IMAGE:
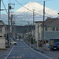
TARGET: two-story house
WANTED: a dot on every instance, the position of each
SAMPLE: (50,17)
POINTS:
(51,29)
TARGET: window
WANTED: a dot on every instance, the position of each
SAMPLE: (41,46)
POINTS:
(53,28)
(0,29)
(57,29)
(45,28)
(0,36)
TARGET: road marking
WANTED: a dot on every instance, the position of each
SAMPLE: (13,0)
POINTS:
(17,56)
(13,57)
(39,52)
(9,53)
(20,56)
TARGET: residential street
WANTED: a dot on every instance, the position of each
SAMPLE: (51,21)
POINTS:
(23,51)
(29,29)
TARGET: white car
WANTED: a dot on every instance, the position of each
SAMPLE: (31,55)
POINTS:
(13,42)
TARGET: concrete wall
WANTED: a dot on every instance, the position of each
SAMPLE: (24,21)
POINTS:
(2,43)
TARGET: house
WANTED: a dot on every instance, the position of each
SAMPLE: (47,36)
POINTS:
(2,32)
(51,29)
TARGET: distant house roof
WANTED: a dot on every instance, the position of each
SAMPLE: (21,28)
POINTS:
(49,22)
(38,21)
(2,22)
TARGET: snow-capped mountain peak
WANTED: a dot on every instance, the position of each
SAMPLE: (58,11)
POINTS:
(30,6)
(37,7)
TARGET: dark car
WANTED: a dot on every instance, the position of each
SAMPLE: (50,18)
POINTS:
(56,46)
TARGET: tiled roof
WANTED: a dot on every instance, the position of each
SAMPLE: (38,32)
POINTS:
(51,22)
(2,22)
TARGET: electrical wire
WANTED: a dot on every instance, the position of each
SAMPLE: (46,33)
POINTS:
(4,7)
(29,9)
(23,6)
(26,7)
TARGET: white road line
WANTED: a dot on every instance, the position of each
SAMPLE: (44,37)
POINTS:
(9,53)
(39,52)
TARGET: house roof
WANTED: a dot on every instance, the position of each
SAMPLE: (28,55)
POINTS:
(2,22)
(51,22)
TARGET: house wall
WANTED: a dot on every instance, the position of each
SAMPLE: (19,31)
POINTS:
(50,34)
(3,32)
(2,38)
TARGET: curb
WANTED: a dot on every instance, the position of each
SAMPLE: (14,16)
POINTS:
(2,49)
(47,49)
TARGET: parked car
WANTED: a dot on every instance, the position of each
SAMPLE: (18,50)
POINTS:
(13,42)
(55,46)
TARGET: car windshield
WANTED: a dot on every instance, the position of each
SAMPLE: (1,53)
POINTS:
(56,43)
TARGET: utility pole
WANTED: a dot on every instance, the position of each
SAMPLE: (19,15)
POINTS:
(43,20)
(33,24)
(33,16)
(28,26)
(9,16)
(9,8)
(0,8)
(14,29)
(28,29)
(11,23)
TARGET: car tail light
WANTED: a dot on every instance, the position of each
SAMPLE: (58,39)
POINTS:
(58,45)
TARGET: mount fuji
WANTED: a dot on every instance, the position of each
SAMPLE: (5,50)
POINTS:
(25,13)
(38,9)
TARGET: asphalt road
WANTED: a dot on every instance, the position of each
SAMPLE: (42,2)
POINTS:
(23,51)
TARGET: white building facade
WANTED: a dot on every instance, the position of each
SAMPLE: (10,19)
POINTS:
(2,33)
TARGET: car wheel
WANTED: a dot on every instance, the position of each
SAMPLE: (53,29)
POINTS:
(51,49)
(14,43)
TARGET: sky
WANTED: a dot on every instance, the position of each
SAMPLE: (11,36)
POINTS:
(52,4)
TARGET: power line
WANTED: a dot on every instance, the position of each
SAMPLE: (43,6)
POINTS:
(4,7)
(26,7)
(29,9)
(22,5)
